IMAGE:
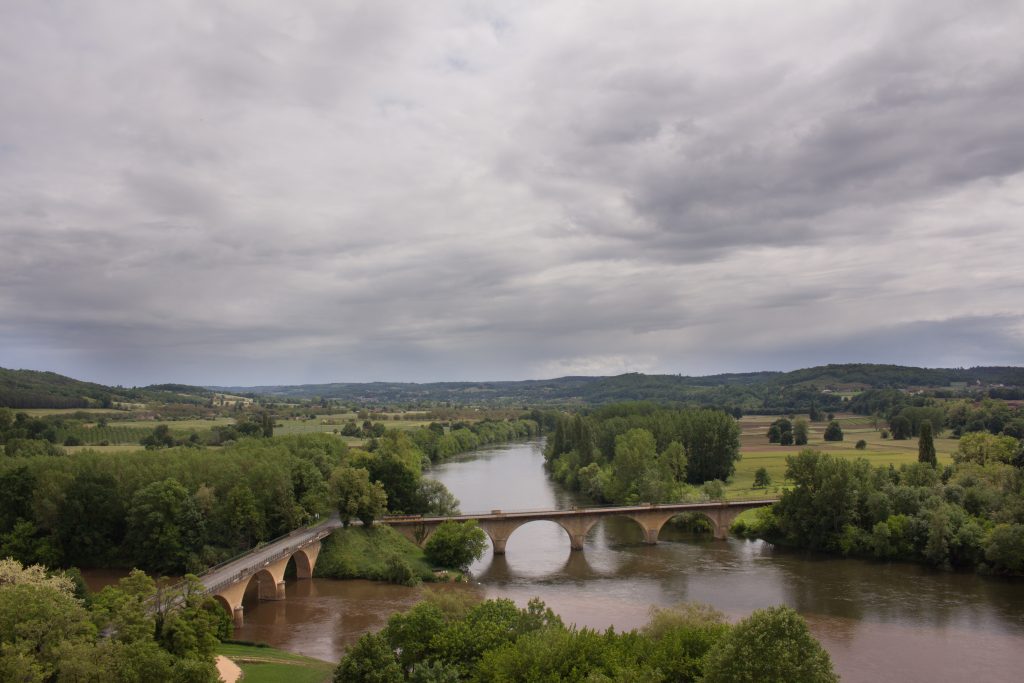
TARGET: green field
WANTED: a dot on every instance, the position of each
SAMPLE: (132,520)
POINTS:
(267,665)
(757,452)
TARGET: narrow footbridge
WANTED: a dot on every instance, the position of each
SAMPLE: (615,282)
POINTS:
(228,582)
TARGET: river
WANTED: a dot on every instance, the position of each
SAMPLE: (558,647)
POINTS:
(879,621)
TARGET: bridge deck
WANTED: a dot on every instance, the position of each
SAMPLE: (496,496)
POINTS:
(248,564)
(398,520)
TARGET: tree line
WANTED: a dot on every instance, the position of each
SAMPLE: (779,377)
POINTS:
(641,452)
(449,639)
(969,514)
(905,413)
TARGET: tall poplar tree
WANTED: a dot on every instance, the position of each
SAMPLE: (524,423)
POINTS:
(925,444)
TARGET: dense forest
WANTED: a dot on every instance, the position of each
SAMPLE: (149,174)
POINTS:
(447,638)
(641,452)
(189,507)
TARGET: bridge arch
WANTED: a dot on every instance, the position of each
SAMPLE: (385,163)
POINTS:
(223,602)
(500,530)
(642,523)
(269,583)
(305,561)
(696,516)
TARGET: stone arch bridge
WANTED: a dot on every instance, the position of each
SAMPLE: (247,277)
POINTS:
(576,522)
(229,581)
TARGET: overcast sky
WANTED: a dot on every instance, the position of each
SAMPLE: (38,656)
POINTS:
(287,192)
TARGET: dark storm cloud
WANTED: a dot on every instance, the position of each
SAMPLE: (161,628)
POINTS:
(230,193)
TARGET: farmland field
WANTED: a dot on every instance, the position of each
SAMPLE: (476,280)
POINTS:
(757,452)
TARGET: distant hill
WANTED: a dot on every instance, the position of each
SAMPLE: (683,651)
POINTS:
(751,391)
(34,389)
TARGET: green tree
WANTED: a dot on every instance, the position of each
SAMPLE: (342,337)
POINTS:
(18,485)
(901,428)
(356,497)
(241,521)
(633,451)
(712,442)
(771,644)
(833,432)
(456,545)
(124,610)
(400,482)
(761,478)
(982,448)
(92,519)
(6,420)
(370,660)
(1005,548)
(267,424)
(674,459)
(801,431)
(160,438)
(926,445)
(410,633)
(434,498)
(165,530)
(824,498)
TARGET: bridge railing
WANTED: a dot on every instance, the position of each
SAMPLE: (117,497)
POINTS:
(263,544)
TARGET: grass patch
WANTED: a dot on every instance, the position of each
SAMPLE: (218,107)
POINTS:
(268,665)
(359,553)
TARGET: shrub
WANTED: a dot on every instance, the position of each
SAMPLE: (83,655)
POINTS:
(397,570)
(456,545)
(861,445)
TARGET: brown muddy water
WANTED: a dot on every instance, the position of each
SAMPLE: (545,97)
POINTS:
(879,621)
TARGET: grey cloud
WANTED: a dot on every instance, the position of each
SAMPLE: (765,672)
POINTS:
(223,193)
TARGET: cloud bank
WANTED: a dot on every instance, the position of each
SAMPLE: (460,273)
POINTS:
(252,193)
